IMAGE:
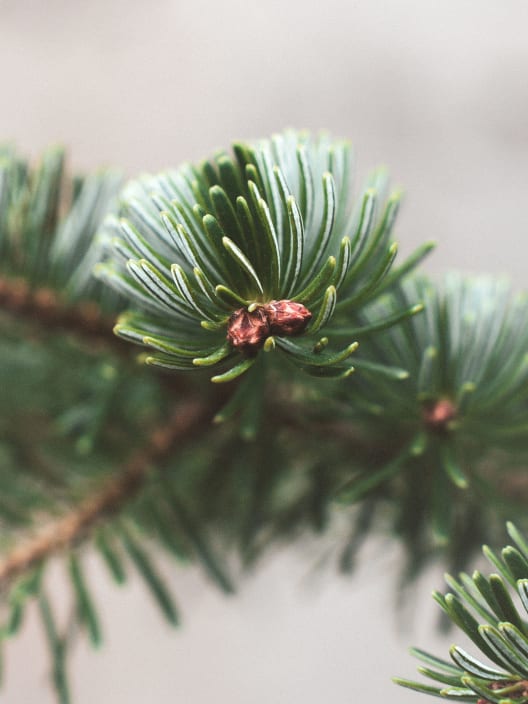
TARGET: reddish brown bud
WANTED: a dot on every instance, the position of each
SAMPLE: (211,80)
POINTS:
(521,689)
(438,414)
(247,331)
(287,317)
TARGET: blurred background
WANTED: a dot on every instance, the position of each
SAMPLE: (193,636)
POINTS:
(437,91)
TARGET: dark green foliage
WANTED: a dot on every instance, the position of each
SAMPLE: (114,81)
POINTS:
(492,612)
(48,222)
(57,646)
(276,221)
(454,426)
(149,573)
(85,608)
(429,430)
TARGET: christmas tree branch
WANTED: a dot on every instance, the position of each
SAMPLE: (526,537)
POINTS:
(75,526)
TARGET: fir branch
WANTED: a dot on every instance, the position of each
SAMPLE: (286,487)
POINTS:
(74,527)
(491,611)
(254,247)
(49,221)
(465,398)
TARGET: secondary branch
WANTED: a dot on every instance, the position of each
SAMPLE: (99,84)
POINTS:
(75,526)
(45,307)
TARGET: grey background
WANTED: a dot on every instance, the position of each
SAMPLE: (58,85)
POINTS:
(438,91)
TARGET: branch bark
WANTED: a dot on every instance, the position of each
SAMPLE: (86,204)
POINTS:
(85,320)
(45,307)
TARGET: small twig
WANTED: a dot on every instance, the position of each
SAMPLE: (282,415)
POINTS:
(44,306)
(75,526)
(85,320)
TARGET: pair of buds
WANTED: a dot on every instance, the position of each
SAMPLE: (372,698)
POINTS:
(248,328)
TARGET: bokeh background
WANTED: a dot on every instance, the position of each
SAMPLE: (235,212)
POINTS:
(437,91)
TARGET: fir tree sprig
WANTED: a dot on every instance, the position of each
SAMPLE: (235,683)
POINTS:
(104,517)
(75,526)
(455,428)
(70,413)
(48,221)
(222,263)
(492,612)
(248,252)
(47,250)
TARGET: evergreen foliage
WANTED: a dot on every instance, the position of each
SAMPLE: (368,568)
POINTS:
(274,222)
(214,268)
(455,428)
(491,611)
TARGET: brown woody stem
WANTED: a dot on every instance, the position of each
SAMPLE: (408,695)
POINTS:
(44,306)
(75,526)
(85,320)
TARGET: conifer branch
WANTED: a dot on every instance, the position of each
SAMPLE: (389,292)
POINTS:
(74,527)
(244,252)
